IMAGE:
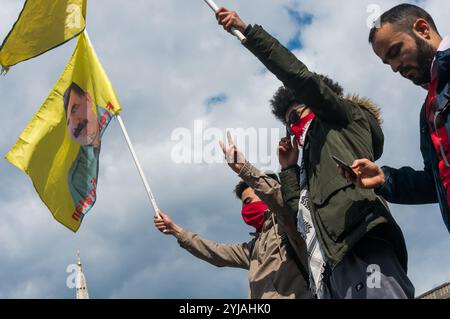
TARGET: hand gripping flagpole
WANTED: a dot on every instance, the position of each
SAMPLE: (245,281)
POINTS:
(234,31)
(138,165)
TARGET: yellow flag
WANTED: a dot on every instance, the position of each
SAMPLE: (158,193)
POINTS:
(42,25)
(60,147)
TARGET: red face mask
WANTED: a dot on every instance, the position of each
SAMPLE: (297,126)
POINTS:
(253,214)
(299,128)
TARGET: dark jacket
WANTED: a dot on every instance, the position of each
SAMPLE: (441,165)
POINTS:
(408,186)
(342,213)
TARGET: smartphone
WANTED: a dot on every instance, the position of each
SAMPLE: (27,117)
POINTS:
(345,167)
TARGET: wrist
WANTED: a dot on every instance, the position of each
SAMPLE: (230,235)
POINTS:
(177,230)
(242,168)
(247,29)
(238,167)
(243,26)
(382,177)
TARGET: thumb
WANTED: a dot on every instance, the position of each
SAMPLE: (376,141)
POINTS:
(359,163)
(162,215)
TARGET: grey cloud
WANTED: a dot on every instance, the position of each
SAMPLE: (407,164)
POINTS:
(164,64)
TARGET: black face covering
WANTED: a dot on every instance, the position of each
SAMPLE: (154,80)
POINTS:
(425,57)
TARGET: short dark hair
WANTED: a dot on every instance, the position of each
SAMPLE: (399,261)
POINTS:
(73,87)
(242,186)
(285,97)
(402,17)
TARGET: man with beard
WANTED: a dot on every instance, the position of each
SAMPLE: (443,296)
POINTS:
(82,122)
(408,40)
(85,124)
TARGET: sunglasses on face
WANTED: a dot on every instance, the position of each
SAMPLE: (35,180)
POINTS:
(294,118)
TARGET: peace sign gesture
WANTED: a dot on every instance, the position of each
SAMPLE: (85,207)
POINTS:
(235,159)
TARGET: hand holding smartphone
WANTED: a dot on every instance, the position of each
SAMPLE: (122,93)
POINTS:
(345,167)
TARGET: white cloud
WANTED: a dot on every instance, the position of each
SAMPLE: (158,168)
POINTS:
(165,59)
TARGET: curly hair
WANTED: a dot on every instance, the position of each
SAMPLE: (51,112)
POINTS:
(284,98)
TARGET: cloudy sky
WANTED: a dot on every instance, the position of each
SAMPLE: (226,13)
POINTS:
(171,65)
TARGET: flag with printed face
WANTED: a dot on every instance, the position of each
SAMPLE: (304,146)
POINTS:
(60,147)
(42,25)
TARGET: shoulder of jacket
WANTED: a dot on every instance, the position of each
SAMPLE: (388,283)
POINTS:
(366,104)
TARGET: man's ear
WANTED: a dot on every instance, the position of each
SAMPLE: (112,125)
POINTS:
(422,29)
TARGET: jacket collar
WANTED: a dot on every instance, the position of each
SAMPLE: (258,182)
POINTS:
(443,68)
(445,44)
(440,68)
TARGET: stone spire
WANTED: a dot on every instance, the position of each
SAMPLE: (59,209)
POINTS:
(81,286)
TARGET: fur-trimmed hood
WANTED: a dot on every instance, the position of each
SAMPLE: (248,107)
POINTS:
(368,105)
(374,122)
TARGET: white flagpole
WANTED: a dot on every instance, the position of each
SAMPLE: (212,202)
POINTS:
(237,33)
(138,165)
(133,153)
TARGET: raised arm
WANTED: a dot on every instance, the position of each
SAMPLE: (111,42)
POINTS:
(267,189)
(288,154)
(270,192)
(220,255)
(308,86)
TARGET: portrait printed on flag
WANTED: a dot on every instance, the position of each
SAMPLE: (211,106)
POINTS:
(86,123)
(60,147)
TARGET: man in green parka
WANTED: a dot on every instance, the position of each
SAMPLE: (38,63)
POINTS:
(362,246)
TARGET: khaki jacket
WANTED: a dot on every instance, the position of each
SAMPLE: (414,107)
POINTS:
(273,271)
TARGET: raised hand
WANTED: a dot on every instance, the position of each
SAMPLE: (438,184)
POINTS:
(288,152)
(166,225)
(235,159)
(230,19)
